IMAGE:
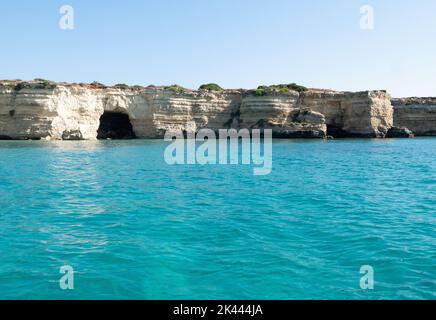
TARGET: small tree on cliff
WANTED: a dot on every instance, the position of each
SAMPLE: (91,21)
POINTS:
(211,87)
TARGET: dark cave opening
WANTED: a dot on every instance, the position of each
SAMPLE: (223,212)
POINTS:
(336,131)
(115,125)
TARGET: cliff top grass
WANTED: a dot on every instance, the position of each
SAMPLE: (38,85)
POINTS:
(39,83)
(18,85)
(279,88)
(176,88)
(412,101)
(122,86)
(210,87)
(98,85)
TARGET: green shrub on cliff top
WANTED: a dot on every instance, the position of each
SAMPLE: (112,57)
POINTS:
(260,92)
(211,87)
(45,84)
(296,87)
(121,86)
(124,86)
(282,88)
(36,84)
(137,88)
(288,87)
(98,85)
(176,88)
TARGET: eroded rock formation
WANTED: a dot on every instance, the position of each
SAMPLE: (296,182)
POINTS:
(416,114)
(74,112)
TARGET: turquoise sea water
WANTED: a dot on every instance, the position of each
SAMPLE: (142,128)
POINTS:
(133,227)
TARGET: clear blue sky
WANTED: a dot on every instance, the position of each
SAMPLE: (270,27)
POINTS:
(236,43)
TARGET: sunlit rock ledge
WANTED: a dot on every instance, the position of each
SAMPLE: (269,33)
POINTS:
(42,109)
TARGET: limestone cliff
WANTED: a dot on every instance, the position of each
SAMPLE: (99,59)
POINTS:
(352,114)
(35,110)
(416,114)
(58,113)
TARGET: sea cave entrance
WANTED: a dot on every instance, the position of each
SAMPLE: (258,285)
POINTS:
(115,125)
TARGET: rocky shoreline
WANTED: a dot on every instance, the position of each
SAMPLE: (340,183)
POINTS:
(41,109)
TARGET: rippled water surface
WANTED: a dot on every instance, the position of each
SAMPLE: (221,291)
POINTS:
(133,227)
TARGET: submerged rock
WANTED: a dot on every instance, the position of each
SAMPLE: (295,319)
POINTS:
(396,132)
(72,135)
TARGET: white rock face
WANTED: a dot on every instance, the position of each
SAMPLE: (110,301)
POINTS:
(282,113)
(31,119)
(57,113)
(364,114)
(78,113)
(73,112)
(154,111)
(328,103)
(416,114)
